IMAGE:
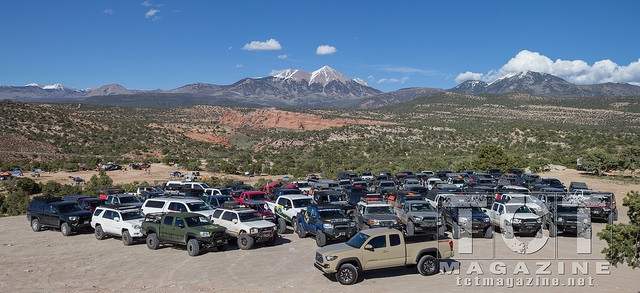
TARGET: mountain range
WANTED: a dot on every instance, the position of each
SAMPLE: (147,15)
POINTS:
(293,88)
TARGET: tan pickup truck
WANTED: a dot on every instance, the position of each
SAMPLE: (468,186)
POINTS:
(380,248)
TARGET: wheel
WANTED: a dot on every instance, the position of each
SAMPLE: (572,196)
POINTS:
(126,238)
(615,214)
(553,230)
(488,233)
(245,241)
(300,231)
(455,231)
(282,226)
(99,233)
(152,241)
(193,247)
(496,228)
(223,247)
(294,223)
(428,265)
(347,274)
(508,232)
(273,241)
(321,239)
(411,228)
(65,229)
(35,225)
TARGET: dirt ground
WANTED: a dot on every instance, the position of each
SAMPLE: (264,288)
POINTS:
(46,261)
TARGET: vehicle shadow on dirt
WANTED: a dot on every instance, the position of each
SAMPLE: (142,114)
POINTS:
(447,266)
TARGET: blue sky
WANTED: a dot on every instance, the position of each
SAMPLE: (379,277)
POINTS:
(389,44)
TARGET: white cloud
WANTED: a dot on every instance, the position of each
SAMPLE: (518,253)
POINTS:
(151,13)
(146,4)
(239,65)
(268,45)
(393,80)
(283,56)
(275,72)
(574,71)
(325,50)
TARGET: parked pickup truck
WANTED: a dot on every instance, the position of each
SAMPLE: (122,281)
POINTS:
(380,248)
(190,229)
(287,207)
(325,222)
(422,215)
(514,218)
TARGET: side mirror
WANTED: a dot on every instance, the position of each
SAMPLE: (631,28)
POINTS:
(181,225)
(117,219)
(368,247)
(235,221)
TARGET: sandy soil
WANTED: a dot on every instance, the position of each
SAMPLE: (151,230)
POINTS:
(46,261)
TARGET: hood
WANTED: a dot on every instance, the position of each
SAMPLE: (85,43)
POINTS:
(424,214)
(335,248)
(382,217)
(259,224)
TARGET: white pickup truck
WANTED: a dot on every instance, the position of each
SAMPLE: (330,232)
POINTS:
(287,207)
(514,218)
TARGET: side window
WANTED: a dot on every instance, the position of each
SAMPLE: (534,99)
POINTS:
(282,201)
(109,215)
(379,242)
(179,222)
(500,209)
(97,212)
(495,207)
(154,204)
(394,239)
(168,220)
(229,216)
(216,213)
(177,206)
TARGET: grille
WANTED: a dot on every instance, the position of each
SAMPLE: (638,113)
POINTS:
(428,222)
(529,221)
(341,227)
(386,223)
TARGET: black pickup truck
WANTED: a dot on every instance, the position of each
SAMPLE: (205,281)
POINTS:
(53,212)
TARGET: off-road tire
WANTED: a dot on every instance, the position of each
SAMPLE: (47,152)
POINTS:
(152,241)
(245,242)
(321,239)
(553,230)
(99,232)
(65,229)
(428,265)
(193,247)
(300,231)
(282,226)
(35,225)
(347,274)
(488,233)
(223,247)
(126,238)
(411,228)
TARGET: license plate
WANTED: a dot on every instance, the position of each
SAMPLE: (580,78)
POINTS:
(573,226)
(86,222)
(342,234)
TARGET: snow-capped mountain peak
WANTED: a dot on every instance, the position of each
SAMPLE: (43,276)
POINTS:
(361,81)
(56,86)
(327,74)
(295,74)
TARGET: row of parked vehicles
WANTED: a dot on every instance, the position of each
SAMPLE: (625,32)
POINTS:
(199,217)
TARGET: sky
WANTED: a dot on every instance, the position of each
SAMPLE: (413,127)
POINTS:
(391,45)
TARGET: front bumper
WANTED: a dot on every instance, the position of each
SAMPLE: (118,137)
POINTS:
(339,232)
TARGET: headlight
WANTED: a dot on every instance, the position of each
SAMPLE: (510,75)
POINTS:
(275,228)
(416,218)
(205,234)
(327,226)
(373,222)
(136,227)
(254,231)
(352,224)
(539,220)
(560,219)
(331,257)
(73,218)
(517,221)
(486,220)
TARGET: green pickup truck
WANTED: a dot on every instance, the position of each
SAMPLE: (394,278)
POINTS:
(380,248)
(189,229)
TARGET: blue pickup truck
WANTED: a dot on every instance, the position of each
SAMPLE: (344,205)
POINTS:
(325,222)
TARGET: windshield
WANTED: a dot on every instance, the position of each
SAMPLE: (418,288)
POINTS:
(258,196)
(197,221)
(132,215)
(421,207)
(248,217)
(129,199)
(599,199)
(357,240)
(302,202)
(335,197)
(387,184)
(199,206)
(379,210)
(568,209)
(68,208)
(330,214)
(518,209)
